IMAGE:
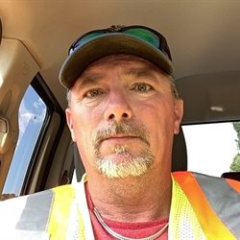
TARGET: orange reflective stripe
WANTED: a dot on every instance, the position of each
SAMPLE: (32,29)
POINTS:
(58,222)
(234,184)
(211,225)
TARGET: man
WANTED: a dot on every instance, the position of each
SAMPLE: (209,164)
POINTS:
(123,112)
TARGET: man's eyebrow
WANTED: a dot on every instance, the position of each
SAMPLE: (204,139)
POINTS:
(90,78)
(140,73)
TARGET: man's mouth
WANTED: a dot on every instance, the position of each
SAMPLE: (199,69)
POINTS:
(120,138)
(121,133)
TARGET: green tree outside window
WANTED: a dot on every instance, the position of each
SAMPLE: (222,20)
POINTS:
(235,166)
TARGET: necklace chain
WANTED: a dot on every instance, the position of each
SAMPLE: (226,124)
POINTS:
(120,237)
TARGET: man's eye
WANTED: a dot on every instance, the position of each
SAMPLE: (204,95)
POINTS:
(142,87)
(93,93)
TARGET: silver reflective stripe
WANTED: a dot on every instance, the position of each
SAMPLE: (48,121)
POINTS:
(224,200)
(36,212)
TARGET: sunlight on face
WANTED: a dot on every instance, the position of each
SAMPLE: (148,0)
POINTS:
(123,116)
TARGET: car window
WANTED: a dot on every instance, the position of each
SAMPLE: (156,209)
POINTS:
(212,148)
(32,113)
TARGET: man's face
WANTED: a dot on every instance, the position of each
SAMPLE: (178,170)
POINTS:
(122,115)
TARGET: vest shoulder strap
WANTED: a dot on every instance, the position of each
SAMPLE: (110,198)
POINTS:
(215,202)
(43,212)
(58,221)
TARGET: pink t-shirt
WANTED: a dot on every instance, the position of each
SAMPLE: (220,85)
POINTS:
(131,230)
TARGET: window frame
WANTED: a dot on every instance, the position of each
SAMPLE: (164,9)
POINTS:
(53,106)
(197,123)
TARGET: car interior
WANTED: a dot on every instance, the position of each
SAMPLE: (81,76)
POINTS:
(36,150)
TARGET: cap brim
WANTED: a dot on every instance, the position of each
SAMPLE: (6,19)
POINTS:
(106,45)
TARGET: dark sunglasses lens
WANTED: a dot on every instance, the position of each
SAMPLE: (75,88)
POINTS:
(140,33)
(145,35)
(85,39)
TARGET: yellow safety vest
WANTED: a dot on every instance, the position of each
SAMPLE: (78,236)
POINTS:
(202,208)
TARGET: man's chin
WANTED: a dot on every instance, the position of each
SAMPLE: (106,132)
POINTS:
(119,158)
(123,165)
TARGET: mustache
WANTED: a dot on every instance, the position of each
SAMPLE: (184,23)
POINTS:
(123,128)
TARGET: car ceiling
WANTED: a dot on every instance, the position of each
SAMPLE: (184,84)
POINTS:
(204,36)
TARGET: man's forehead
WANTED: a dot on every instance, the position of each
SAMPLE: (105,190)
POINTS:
(111,59)
(129,62)
(128,65)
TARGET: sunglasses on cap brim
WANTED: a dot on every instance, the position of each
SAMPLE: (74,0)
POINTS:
(142,33)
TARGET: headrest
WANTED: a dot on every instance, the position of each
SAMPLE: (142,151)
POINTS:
(179,154)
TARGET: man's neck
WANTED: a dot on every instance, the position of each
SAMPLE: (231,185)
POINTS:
(132,199)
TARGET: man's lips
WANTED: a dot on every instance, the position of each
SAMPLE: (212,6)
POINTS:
(120,138)
(126,139)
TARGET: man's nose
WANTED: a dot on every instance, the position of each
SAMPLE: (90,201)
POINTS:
(118,107)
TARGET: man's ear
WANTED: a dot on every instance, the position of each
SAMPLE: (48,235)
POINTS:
(178,115)
(68,113)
